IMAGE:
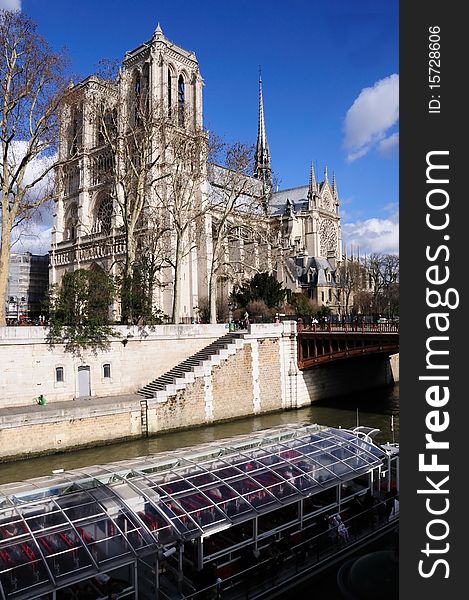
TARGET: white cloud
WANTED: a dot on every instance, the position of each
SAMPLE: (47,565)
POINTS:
(390,145)
(374,111)
(35,167)
(33,238)
(373,235)
(42,189)
(10,4)
(34,233)
(391,208)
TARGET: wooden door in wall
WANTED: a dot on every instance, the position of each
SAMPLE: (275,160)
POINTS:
(84,384)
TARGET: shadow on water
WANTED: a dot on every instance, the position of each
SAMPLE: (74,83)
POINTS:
(374,410)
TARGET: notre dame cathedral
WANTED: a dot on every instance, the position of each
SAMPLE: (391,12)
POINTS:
(88,227)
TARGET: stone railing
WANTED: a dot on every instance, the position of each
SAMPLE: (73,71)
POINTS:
(37,335)
(92,247)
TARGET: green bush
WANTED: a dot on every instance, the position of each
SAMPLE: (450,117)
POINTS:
(262,287)
(79,311)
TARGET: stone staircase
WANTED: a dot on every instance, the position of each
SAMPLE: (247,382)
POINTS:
(197,365)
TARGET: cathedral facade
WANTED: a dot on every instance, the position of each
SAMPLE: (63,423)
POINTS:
(312,240)
(97,180)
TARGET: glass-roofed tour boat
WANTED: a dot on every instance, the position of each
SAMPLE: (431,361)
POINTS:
(245,517)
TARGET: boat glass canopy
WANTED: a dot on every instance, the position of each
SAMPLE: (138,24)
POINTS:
(57,529)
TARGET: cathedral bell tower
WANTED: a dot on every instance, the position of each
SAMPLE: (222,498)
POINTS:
(173,76)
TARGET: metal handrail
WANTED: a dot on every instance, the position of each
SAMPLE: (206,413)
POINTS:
(349,328)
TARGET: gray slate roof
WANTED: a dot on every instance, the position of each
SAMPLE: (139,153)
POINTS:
(321,265)
(298,196)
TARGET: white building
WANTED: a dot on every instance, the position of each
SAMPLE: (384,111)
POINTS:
(27,286)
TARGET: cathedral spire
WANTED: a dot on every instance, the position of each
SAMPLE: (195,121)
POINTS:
(325,174)
(262,154)
(312,182)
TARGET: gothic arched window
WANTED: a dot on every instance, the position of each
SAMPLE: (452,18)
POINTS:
(76,131)
(71,222)
(100,125)
(181,100)
(137,84)
(104,215)
(145,91)
(170,91)
(106,125)
(136,97)
(71,179)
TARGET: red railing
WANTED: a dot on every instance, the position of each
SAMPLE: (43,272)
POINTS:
(350,327)
(328,342)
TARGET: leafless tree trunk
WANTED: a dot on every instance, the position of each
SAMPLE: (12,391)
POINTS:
(180,198)
(32,85)
(133,136)
(351,279)
(383,270)
(237,204)
(153,171)
(178,258)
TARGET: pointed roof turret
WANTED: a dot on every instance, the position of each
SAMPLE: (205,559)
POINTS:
(313,186)
(312,182)
(334,184)
(325,174)
(158,31)
(262,154)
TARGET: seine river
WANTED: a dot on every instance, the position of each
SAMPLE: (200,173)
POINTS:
(373,409)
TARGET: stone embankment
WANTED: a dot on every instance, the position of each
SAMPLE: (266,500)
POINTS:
(186,376)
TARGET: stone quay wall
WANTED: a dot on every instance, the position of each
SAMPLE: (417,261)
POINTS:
(28,364)
(261,376)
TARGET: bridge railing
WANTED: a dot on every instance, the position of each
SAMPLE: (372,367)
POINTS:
(349,327)
(326,342)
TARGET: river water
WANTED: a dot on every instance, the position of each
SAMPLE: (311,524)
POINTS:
(373,409)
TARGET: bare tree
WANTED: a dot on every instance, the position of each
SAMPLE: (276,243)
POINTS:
(390,276)
(156,170)
(250,247)
(180,198)
(351,274)
(148,269)
(237,206)
(383,272)
(132,135)
(31,88)
(152,167)
(133,138)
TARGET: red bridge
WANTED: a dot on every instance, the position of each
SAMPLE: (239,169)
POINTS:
(319,345)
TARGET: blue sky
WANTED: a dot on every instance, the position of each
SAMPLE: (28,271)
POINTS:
(330,83)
